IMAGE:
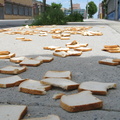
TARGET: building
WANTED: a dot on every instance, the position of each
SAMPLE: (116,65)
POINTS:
(16,9)
(113,9)
(76,6)
(38,7)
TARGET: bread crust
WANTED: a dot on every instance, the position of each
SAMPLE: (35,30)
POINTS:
(23,113)
(109,63)
(93,92)
(11,84)
(111,46)
(32,65)
(79,108)
(7,56)
(4,52)
(15,71)
(29,91)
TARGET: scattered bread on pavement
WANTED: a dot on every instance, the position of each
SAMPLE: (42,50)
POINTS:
(81,101)
(51,47)
(111,46)
(4,52)
(61,83)
(61,49)
(60,54)
(65,38)
(7,56)
(12,112)
(99,88)
(49,117)
(33,87)
(10,81)
(17,59)
(58,96)
(74,53)
(58,74)
(30,62)
(20,38)
(13,70)
(83,49)
(44,59)
(108,61)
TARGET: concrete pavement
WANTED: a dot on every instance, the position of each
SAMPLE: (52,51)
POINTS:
(83,68)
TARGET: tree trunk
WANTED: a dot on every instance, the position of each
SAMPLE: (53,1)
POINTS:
(71,6)
(44,5)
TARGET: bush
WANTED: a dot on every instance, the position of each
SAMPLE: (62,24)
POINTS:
(75,17)
(53,15)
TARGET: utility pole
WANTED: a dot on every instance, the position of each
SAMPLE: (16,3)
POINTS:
(44,5)
(71,6)
(87,9)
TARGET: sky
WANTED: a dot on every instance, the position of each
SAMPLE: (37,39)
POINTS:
(66,3)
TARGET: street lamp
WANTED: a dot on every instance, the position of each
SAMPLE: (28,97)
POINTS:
(87,9)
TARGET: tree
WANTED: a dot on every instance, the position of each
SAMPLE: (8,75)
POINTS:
(71,6)
(92,9)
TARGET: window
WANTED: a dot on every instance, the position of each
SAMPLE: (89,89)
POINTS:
(15,9)
(26,11)
(21,10)
(8,8)
(30,11)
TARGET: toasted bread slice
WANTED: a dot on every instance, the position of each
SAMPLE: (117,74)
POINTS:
(44,59)
(83,49)
(58,96)
(60,82)
(60,54)
(31,62)
(12,112)
(34,87)
(81,101)
(61,49)
(49,117)
(51,47)
(58,74)
(17,59)
(4,52)
(74,53)
(108,61)
(12,70)
(99,88)
(7,56)
(10,81)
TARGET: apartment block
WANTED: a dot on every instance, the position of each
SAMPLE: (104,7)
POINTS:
(16,9)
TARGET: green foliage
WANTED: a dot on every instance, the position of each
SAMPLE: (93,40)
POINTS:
(53,15)
(75,17)
(92,9)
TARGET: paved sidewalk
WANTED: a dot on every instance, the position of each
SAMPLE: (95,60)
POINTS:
(83,68)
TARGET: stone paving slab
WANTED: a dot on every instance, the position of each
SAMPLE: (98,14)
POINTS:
(83,68)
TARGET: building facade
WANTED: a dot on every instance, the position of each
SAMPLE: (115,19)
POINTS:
(76,6)
(113,9)
(16,9)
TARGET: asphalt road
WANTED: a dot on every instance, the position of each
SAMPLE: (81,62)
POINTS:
(83,68)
